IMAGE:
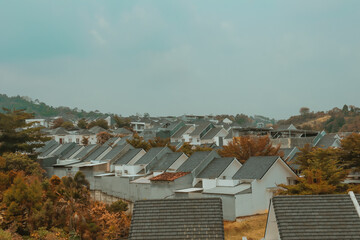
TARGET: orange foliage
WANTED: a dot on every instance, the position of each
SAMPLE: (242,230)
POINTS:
(245,147)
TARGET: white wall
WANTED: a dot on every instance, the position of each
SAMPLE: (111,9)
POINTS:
(272,230)
(177,163)
(244,205)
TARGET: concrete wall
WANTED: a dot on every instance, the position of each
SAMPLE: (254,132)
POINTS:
(244,205)
(228,205)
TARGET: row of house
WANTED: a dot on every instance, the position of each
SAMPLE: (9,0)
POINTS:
(117,169)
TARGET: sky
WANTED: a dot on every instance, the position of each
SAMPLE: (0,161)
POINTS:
(182,57)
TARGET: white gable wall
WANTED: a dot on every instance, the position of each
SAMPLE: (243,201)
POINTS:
(177,163)
(277,174)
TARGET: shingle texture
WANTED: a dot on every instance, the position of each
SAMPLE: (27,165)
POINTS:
(177,219)
(316,217)
(212,133)
(255,167)
(193,161)
(166,161)
(128,156)
(215,167)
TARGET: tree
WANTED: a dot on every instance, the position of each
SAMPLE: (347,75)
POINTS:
(161,142)
(82,123)
(118,206)
(350,151)
(20,162)
(121,122)
(85,141)
(322,173)
(58,122)
(102,137)
(18,136)
(67,125)
(345,109)
(100,122)
(138,142)
(242,148)
(304,111)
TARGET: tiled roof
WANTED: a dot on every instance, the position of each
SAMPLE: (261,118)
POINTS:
(255,167)
(199,129)
(166,161)
(177,219)
(193,161)
(327,141)
(316,217)
(128,156)
(181,131)
(169,176)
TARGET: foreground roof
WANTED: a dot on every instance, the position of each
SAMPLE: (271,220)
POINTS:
(316,217)
(177,219)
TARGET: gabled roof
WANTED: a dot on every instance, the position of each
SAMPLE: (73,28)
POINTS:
(255,167)
(85,151)
(111,141)
(122,131)
(113,152)
(166,161)
(128,156)
(328,141)
(200,128)
(215,168)
(181,131)
(150,155)
(230,135)
(94,155)
(63,149)
(212,133)
(177,219)
(71,152)
(59,131)
(169,176)
(47,146)
(316,217)
(49,150)
(84,132)
(193,161)
(97,129)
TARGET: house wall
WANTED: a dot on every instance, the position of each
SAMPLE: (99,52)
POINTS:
(272,230)
(277,174)
(137,157)
(208,183)
(131,170)
(230,171)
(244,205)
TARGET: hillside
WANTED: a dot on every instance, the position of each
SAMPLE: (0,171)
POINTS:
(346,119)
(41,110)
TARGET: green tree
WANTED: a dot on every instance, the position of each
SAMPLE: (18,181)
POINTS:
(350,151)
(82,123)
(100,122)
(18,136)
(121,122)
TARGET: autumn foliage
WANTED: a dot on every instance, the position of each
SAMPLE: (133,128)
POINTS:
(244,147)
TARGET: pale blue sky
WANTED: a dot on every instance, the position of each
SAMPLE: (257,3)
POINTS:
(174,57)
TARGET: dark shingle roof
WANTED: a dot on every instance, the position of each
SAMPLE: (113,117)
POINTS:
(200,128)
(63,149)
(177,219)
(96,153)
(128,156)
(150,155)
(71,152)
(193,161)
(212,133)
(122,131)
(113,152)
(181,131)
(49,150)
(97,129)
(255,167)
(327,141)
(316,217)
(60,131)
(215,167)
(166,161)
(85,151)
(47,146)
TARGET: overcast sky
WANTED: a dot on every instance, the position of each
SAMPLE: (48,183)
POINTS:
(175,57)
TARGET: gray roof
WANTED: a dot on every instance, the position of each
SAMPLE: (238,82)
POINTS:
(122,131)
(85,151)
(113,152)
(200,128)
(255,167)
(96,153)
(177,219)
(215,168)
(316,217)
(181,131)
(111,141)
(128,156)
(193,161)
(327,141)
(63,149)
(150,155)
(60,131)
(49,150)
(166,161)
(285,127)
(212,133)
(47,146)
(97,129)
(71,152)
(84,132)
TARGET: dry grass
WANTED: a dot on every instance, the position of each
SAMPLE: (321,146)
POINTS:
(252,227)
